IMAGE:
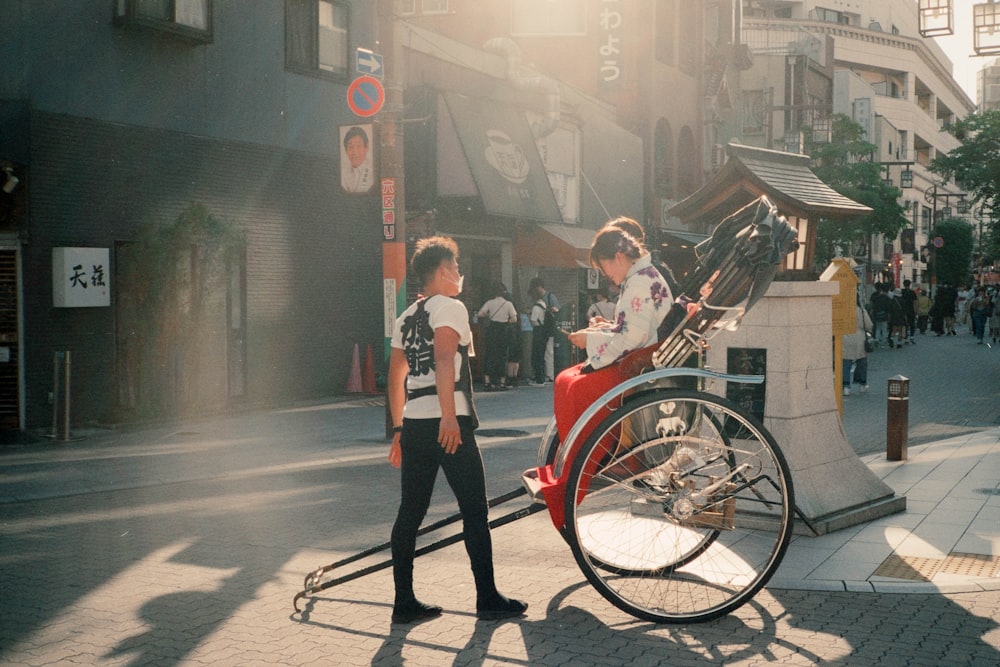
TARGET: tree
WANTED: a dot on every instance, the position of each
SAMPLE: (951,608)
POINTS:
(845,165)
(975,163)
(952,260)
(172,323)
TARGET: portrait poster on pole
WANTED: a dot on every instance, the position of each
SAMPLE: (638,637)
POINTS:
(357,162)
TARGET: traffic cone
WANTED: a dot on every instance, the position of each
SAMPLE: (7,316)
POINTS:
(354,379)
(368,380)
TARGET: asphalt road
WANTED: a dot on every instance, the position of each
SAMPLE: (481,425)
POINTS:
(184,543)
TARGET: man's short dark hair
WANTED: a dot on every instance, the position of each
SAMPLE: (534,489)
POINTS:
(430,253)
(356,132)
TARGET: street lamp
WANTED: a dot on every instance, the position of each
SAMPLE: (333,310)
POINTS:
(935,18)
(985,25)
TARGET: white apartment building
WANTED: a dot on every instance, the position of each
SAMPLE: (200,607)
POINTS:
(988,86)
(881,72)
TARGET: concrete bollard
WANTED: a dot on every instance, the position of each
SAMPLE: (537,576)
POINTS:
(897,419)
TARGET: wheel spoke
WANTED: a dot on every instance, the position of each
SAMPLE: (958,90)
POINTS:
(679,506)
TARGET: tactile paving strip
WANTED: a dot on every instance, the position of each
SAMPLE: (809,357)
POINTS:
(917,568)
(971,565)
(908,567)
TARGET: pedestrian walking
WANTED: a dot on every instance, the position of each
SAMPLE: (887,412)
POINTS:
(854,354)
(897,319)
(994,293)
(430,400)
(543,321)
(979,313)
(879,304)
(923,308)
(908,298)
(494,317)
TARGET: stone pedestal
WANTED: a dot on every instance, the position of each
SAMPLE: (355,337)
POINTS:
(793,322)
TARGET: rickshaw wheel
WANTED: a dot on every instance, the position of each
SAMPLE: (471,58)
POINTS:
(679,506)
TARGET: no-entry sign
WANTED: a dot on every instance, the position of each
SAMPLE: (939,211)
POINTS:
(365,96)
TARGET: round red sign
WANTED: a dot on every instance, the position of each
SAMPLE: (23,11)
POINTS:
(365,96)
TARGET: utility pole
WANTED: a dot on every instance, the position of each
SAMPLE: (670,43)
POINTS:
(391,181)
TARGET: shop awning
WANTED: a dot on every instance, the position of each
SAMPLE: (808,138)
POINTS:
(502,158)
(563,246)
(612,170)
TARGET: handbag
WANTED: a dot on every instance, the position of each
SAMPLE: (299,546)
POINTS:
(869,342)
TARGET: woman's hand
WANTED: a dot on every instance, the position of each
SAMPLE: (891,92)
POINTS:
(578,338)
(449,435)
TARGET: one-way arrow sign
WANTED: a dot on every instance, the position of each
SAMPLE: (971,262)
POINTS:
(369,63)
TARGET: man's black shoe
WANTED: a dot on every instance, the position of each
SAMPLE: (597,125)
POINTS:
(500,607)
(413,611)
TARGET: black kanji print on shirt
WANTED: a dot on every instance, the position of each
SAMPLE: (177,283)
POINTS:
(418,341)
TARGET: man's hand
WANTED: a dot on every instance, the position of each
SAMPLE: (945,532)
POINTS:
(449,435)
(395,453)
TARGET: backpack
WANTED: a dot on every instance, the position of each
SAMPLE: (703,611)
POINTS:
(549,323)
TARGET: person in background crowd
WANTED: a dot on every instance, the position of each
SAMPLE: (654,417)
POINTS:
(879,304)
(602,307)
(494,317)
(962,298)
(994,294)
(979,313)
(908,298)
(543,321)
(897,319)
(923,309)
(854,354)
(943,310)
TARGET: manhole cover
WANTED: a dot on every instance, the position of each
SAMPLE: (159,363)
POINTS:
(500,433)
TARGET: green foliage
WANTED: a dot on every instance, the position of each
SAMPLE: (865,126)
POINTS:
(845,165)
(975,164)
(952,259)
(197,240)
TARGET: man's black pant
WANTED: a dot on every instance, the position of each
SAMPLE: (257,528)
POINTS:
(538,343)
(422,456)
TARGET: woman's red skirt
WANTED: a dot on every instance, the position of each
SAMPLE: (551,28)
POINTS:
(575,392)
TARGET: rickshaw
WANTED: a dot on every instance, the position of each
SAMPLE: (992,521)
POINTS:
(677,503)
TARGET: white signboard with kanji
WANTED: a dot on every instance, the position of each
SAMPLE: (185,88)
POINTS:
(80,277)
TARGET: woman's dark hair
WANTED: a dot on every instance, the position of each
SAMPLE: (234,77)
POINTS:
(611,240)
(429,254)
(629,226)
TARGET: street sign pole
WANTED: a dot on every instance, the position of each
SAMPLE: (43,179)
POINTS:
(393,210)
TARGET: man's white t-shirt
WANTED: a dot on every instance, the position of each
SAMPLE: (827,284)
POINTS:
(416,339)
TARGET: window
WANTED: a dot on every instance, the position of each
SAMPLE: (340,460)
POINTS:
(186,18)
(434,6)
(409,7)
(536,18)
(666,22)
(316,37)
